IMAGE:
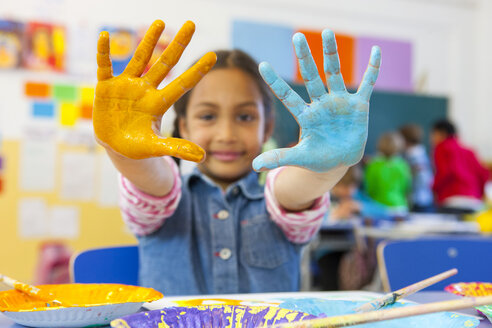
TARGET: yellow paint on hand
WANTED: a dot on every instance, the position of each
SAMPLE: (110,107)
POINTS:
(128,108)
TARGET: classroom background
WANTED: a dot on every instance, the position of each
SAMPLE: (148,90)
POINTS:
(58,190)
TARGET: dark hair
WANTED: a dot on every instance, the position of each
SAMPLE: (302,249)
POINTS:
(230,59)
(352,177)
(412,133)
(445,127)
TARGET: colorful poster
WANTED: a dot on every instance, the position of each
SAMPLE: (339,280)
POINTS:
(45,47)
(161,45)
(123,42)
(10,44)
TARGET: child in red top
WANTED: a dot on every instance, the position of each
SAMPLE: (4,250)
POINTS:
(460,178)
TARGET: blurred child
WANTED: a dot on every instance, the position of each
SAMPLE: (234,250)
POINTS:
(387,177)
(217,230)
(422,199)
(460,178)
(343,203)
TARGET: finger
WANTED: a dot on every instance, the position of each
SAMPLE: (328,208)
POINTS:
(171,55)
(275,158)
(183,83)
(142,55)
(281,89)
(104,67)
(176,147)
(307,67)
(371,74)
(331,61)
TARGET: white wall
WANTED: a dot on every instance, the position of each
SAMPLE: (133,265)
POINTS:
(451,41)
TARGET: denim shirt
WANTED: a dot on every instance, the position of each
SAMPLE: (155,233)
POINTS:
(218,243)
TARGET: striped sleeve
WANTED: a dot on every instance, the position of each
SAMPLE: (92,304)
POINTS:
(299,227)
(143,213)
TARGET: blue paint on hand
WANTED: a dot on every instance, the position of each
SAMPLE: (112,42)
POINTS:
(334,125)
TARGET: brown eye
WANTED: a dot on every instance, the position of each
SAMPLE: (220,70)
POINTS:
(245,118)
(207,117)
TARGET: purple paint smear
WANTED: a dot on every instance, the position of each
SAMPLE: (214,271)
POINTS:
(396,64)
(213,317)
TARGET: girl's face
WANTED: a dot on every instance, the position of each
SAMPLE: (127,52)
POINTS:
(225,116)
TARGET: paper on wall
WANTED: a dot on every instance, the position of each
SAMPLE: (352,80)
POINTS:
(38,160)
(32,218)
(82,134)
(108,182)
(64,222)
(77,176)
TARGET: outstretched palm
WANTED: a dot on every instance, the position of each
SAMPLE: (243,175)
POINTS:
(128,108)
(334,125)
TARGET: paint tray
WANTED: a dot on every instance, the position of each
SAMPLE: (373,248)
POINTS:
(212,316)
(92,304)
(474,289)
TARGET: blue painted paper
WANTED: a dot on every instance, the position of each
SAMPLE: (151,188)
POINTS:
(43,109)
(329,308)
(266,42)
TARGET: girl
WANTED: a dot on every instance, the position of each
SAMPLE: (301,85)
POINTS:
(217,230)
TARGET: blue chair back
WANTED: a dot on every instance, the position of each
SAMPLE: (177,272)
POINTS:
(106,265)
(404,262)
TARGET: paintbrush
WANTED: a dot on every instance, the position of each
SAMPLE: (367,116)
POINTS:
(33,291)
(389,314)
(392,297)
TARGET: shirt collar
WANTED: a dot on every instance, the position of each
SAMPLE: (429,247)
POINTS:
(248,185)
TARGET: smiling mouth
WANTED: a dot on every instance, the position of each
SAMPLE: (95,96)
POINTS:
(226,156)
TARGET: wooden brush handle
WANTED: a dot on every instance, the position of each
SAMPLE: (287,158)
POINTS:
(392,297)
(29,290)
(381,315)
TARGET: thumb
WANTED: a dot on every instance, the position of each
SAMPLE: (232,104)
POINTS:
(273,159)
(180,148)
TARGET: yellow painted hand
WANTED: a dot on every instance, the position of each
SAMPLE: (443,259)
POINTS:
(128,108)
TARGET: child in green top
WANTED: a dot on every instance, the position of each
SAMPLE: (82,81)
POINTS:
(387,177)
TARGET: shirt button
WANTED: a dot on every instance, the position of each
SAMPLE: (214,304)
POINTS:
(223,214)
(225,253)
(235,190)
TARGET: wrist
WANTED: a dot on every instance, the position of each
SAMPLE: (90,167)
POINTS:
(335,173)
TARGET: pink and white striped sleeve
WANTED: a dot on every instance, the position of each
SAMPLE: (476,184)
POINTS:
(299,227)
(143,213)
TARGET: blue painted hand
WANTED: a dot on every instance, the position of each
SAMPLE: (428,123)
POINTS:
(334,125)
